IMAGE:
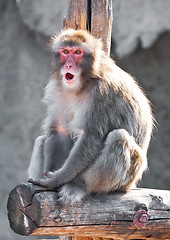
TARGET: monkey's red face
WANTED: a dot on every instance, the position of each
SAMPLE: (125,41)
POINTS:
(71,58)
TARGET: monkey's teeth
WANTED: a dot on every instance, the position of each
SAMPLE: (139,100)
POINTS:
(69,76)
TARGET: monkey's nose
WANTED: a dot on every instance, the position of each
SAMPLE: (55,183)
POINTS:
(69,65)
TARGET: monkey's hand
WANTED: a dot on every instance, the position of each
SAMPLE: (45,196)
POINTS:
(49,181)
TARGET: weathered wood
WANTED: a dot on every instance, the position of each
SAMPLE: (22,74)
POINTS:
(33,211)
(101,21)
(76,15)
(92,15)
(19,198)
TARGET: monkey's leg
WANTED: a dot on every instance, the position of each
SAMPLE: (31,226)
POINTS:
(56,149)
(49,154)
(119,166)
(35,170)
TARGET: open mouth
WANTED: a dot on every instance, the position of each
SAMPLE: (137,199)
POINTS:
(69,76)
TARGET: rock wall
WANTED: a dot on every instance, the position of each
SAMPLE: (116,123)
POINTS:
(152,68)
(139,22)
(135,22)
(138,47)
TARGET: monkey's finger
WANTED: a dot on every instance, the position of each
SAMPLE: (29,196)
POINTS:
(38,183)
(30,180)
(34,182)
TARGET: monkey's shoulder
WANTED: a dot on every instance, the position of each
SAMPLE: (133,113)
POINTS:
(120,97)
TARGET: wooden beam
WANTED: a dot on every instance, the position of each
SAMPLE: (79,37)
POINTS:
(92,15)
(137,214)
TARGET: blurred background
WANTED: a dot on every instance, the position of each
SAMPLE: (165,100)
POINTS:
(140,45)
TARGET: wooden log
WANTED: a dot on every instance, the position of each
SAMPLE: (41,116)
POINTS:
(76,15)
(92,15)
(137,214)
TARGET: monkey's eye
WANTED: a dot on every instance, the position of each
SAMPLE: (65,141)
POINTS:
(65,51)
(77,52)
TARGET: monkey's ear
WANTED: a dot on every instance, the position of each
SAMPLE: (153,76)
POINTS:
(53,37)
(51,42)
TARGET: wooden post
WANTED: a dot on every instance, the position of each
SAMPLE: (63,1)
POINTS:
(137,214)
(77,15)
(101,21)
(92,15)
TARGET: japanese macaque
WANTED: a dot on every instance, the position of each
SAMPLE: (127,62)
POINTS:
(98,124)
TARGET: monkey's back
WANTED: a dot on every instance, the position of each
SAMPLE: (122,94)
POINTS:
(121,103)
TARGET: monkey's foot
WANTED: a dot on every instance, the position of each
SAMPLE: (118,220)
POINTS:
(38,183)
(30,180)
(69,194)
(48,181)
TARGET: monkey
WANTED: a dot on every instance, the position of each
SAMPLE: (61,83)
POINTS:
(98,124)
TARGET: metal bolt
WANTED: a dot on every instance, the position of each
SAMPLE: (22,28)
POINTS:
(140,219)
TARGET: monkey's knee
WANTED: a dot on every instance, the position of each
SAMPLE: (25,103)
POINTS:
(35,169)
(40,140)
(128,159)
(119,137)
(119,165)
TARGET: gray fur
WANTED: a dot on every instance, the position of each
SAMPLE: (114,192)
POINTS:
(103,141)
(35,169)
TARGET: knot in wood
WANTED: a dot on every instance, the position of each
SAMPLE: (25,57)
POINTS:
(140,219)
(57,219)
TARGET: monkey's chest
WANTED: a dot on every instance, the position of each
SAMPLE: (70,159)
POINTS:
(74,115)
(76,124)
(72,120)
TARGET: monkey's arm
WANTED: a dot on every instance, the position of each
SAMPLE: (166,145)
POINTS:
(37,160)
(84,152)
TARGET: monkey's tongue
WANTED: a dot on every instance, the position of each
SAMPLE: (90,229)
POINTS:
(69,76)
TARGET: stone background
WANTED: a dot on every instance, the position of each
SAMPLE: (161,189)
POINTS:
(140,45)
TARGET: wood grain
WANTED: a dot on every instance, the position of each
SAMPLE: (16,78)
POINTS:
(34,211)
(92,15)
(76,15)
(101,21)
